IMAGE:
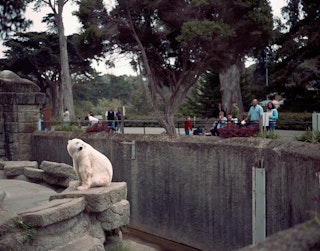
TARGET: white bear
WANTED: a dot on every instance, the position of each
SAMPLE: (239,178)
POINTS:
(92,167)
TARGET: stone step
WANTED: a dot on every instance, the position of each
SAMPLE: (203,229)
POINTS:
(98,199)
(53,212)
(15,168)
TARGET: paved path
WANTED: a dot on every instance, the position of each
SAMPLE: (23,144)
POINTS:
(284,134)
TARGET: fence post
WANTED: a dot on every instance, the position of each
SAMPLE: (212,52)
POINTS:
(258,202)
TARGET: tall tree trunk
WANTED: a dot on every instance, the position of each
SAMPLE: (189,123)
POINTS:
(230,87)
(66,90)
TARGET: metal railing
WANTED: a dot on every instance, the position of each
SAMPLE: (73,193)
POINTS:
(204,125)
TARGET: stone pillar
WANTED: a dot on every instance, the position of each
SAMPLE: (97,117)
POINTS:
(20,103)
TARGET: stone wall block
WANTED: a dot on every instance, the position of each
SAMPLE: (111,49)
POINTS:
(20,101)
(40,98)
(29,127)
(98,199)
(25,98)
(10,116)
(33,173)
(11,127)
(22,138)
(58,169)
(15,168)
(56,181)
(53,212)
(28,116)
(116,216)
(7,98)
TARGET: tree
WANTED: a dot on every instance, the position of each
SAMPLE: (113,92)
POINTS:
(177,42)
(66,87)
(297,59)
(12,19)
(34,55)
(203,96)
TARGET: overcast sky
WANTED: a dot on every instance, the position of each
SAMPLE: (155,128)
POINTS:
(72,25)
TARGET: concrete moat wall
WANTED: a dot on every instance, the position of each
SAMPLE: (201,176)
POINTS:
(198,190)
(20,101)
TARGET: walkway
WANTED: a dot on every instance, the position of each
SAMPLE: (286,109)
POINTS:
(284,134)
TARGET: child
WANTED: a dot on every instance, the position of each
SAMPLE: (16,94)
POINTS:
(187,126)
(218,124)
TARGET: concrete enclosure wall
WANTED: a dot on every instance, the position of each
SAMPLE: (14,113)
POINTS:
(198,190)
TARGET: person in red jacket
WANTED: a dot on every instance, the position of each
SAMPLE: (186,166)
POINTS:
(187,126)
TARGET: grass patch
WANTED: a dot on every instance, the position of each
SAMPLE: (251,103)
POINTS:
(308,136)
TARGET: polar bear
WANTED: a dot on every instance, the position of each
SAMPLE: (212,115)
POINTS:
(92,167)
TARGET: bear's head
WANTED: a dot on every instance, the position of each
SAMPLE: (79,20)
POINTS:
(75,146)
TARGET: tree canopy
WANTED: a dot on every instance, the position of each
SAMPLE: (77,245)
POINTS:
(12,16)
(36,55)
(296,69)
(176,43)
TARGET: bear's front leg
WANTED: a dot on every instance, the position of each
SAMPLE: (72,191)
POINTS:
(85,173)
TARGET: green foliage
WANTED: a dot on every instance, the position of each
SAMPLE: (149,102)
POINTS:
(295,71)
(119,247)
(268,135)
(12,17)
(69,128)
(293,121)
(26,231)
(202,97)
(205,30)
(176,43)
(308,136)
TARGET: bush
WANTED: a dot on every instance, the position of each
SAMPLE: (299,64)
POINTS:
(307,136)
(234,130)
(294,121)
(269,135)
(99,127)
(73,128)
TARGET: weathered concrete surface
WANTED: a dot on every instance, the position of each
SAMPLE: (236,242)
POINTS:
(198,190)
(87,243)
(303,237)
(21,195)
(115,216)
(53,212)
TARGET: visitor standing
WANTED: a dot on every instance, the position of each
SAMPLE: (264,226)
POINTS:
(111,117)
(187,126)
(235,112)
(118,118)
(273,116)
(254,114)
(66,117)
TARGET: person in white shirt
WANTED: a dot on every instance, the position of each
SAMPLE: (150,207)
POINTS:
(66,116)
(92,120)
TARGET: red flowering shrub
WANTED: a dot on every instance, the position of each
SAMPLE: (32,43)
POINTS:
(233,130)
(99,127)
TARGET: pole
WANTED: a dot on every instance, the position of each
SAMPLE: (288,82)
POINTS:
(267,77)
(258,203)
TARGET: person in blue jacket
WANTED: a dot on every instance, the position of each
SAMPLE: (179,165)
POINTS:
(273,117)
